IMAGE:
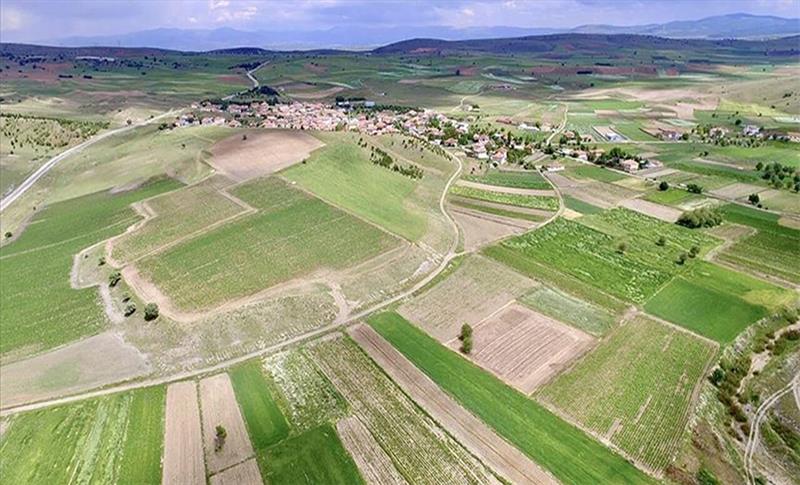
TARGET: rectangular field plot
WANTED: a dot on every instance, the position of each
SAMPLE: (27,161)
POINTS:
(773,250)
(292,234)
(594,172)
(569,309)
(315,456)
(373,463)
(116,439)
(178,215)
(38,307)
(635,389)
(183,437)
(716,302)
(517,200)
(525,348)
(568,453)
(520,180)
(474,291)
(394,420)
(219,406)
(265,422)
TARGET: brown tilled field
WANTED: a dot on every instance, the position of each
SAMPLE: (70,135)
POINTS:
(663,212)
(246,473)
(526,348)
(263,152)
(374,464)
(183,440)
(481,229)
(221,409)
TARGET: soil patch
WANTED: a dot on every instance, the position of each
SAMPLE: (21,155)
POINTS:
(481,229)
(246,473)
(736,190)
(183,440)
(221,409)
(663,212)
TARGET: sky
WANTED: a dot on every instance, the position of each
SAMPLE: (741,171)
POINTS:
(35,20)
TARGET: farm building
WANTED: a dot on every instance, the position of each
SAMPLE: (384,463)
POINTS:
(629,165)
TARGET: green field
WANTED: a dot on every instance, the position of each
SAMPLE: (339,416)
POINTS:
(115,439)
(717,302)
(265,422)
(570,454)
(580,206)
(291,235)
(315,456)
(773,250)
(179,215)
(342,174)
(672,197)
(521,180)
(38,307)
(635,389)
(518,200)
(595,173)
(568,309)
(467,204)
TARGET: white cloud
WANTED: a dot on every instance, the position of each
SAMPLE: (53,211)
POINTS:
(10,20)
(468,12)
(215,4)
(192,20)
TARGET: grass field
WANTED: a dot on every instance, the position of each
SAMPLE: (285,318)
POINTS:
(342,173)
(580,206)
(568,309)
(265,422)
(496,210)
(772,250)
(518,200)
(179,214)
(635,389)
(115,439)
(521,180)
(717,302)
(38,307)
(672,197)
(595,173)
(570,454)
(292,235)
(315,456)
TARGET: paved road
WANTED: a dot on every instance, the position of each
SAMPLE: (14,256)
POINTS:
(41,171)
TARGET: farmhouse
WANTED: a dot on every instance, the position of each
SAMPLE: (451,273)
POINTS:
(629,165)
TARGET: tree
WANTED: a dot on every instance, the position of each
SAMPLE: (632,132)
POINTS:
(694,188)
(466,345)
(694,251)
(220,434)
(681,259)
(8,234)
(759,166)
(702,217)
(114,278)
(150,311)
(244,137)
(664,185)
(754,199)
(466,332)
(101,261)
(662,241)
(130,308)
(622,247)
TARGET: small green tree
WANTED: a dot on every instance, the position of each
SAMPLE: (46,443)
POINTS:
(694,251)
(694,188)
(114,278)
(101,261)
(8,234)
(681,259)
(662,241)
(220,434)
(622,247)
(754,199)
(466,332)
(664,185)
(466,345)
(150,311)
(130,308)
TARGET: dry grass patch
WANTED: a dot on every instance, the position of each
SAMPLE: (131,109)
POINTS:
(262,153)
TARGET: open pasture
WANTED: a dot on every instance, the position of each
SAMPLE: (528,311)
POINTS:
(177,216)
(394,420)
(557,446)
(114,439)
(38,307)
(292,235)
(635,389)
(525,348)
(474,291)
(258,153)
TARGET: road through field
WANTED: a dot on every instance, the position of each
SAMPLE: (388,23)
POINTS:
(41,171)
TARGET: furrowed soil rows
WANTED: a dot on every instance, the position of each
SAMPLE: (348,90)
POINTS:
(635,389)
(183,439)
(394,421)
(373,463)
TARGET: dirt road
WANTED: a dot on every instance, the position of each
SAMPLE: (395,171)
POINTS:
(471,432)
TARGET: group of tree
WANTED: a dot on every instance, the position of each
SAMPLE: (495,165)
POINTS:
(383,159)
(780,176)
(466,338)
(702,217)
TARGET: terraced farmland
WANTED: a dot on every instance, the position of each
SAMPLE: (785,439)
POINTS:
(518,200)
(292,235)
(177,215)
(635,389)
(38,307)
(568,453)
(115,439)
(394,421)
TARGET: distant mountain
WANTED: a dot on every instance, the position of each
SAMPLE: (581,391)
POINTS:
(720,27)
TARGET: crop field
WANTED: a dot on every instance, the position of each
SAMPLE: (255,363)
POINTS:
(717,302)
(475,290)
(580,206)
(315,456)
(672,197)
(591,254)
(265,422)
(38,307)
(291,235)
(569,454)
(518,200)
(635,389)
(497,211)
(342,174)
(569,309)
(521,180)
(600,194)
(394,420)
(594,172)
(116,439)
(179,215)
(772,250)
(310,398)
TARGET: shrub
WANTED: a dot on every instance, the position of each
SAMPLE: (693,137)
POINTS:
(754,199)
(694,188)
(150,311)
(702,217)
(694,251)
(706,477)
(663,186)
(101,261)
(130,308)
(662,241)
(114,278)
(466,345)
(8,234)
(220,433)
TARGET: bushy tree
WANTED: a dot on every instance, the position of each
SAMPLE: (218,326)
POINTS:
(702,217)
(662,241)
(130,308)
(150,311)
(466,338)
(220,434)
(114,278)
(754,199)
(663,186)
(694,188)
